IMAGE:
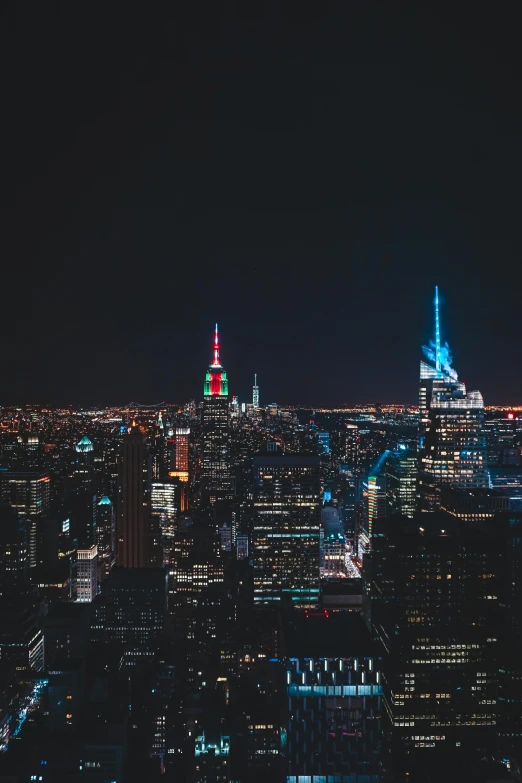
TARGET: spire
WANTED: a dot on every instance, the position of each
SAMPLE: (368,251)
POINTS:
(255,393)
(216,383)
(437,331)
(216,362)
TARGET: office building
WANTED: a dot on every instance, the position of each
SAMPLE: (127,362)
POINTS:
(323,443)
(401,480)
(435,594)
(29,493)
(182,465)
(164,505)
(255,394)
(285,537)
(105,536)
(333,684)
(242,546)
(87,575)
(134,502)
(508,480)
(452,443)
(216,481)
(473,505)
(66,695)
(182,449)
(14,553)
(500,435)
(131,610)
(21,637)
(351,446)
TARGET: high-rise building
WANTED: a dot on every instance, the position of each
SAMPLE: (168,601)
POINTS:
(87,575)
(500,437)
(131,611)
(452,443)
(401,479)
(82,503)
(352,439)
(285,539)
(371,507)
(164,511)
(106,536)
(333,684)
(133,502)
(255,393)
(242,546)
(215,464)
(182,465)
(435,589)
(14,552)
(29,493)
(182,449)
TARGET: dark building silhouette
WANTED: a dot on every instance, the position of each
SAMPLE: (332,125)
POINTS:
(436,593)
(14,552)
(133,502)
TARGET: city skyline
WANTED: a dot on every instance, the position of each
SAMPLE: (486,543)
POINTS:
(434,348)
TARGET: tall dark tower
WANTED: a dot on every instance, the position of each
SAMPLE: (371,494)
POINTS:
(215,468)
(133,502)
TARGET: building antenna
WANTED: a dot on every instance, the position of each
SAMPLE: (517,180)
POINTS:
(437,330)
(215,363)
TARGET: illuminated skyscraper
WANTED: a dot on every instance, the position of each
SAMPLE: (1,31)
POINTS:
(29,493)
(351,454)
(215,468)
(401,477)
(285,539)
(255,393)
(182,448)
(133,502)
(105,536)
(87,575)
(181,466)
(452,443)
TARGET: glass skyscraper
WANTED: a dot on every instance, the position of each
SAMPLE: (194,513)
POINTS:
(452,441)
(285,539)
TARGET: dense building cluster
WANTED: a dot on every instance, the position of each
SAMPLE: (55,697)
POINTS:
(236,591)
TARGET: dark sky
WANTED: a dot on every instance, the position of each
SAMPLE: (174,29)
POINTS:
(302,172)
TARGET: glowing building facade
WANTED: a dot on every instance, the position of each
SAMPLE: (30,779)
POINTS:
(215,464)
(87,575)
(452,442)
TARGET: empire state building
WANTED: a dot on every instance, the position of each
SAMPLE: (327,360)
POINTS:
(216,481)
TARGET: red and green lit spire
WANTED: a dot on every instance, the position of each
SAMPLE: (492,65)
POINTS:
(216,383)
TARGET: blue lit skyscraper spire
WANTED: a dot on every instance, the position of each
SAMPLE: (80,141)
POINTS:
(437,331)
(452,445)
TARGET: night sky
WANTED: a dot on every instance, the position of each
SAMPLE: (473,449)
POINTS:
(302,172)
